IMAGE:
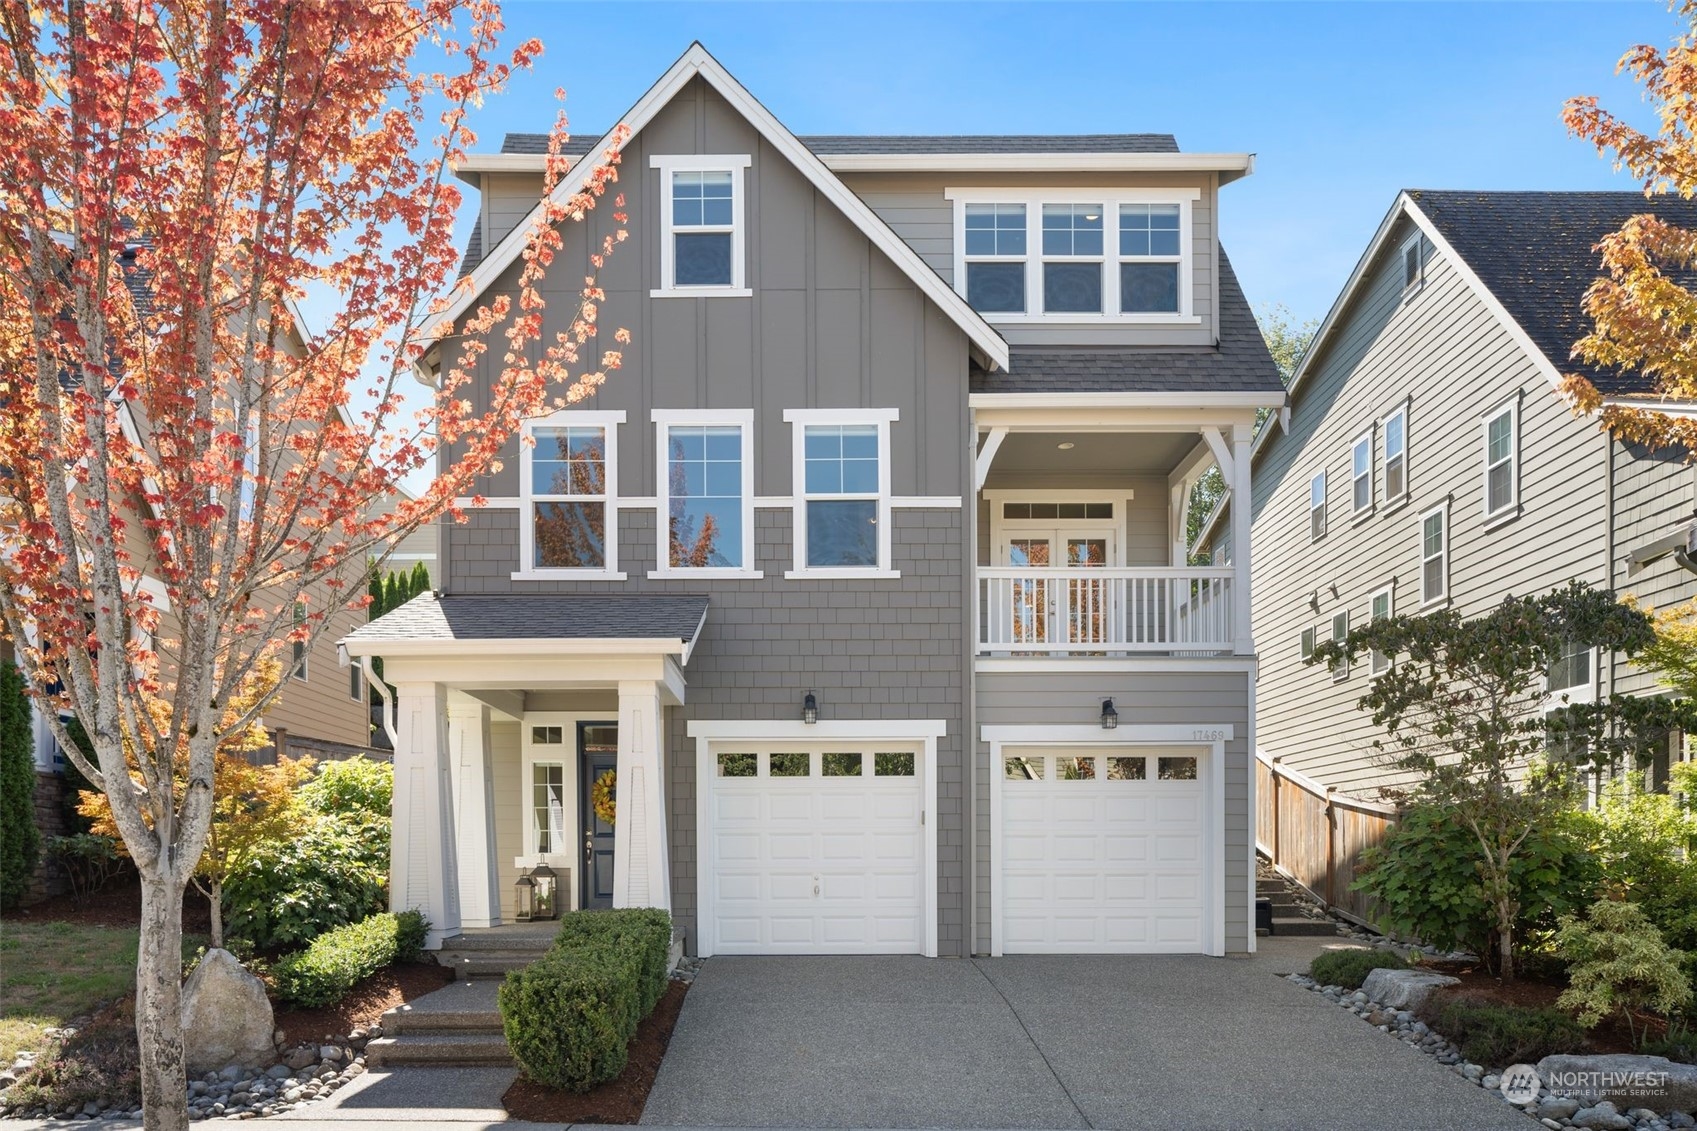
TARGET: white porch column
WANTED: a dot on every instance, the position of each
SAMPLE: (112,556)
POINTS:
(1178,515)
(423,871)
(1242,500)
(474,810)
(641,862)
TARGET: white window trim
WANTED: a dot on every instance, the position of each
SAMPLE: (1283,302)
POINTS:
(1511,510)
(1393,501)
(1340,666)
(1325,497)
(799,419)
(1581,693)
(1304,648)
(527,571)
(1361,512)
(734,163)
(1110,199)
(356,684)
(1375,668)
(663,421)
(1001,528)
(1411,287)
(1442,510)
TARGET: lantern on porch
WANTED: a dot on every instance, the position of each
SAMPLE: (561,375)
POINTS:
(524,899)
(544,888)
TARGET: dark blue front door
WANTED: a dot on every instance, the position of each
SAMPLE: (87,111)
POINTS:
(598,754)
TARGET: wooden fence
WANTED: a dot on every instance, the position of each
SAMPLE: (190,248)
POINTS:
(1315,836)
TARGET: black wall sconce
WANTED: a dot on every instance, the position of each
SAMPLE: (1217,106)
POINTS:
(810,709)
(1110,717)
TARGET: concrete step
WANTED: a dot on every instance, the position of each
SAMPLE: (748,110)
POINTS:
(491,966)
(1264,886)
(522,937)
(397,1023)
(1298,925)
(438,1048)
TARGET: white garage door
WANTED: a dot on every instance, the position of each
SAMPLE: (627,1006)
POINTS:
(814,851)
(1104,850)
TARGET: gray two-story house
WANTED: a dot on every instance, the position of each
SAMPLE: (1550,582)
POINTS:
(861,587)
(1428,460)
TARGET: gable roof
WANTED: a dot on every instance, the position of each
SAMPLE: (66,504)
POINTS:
(918,143)
(1237,363)
(697,62)
(661,618)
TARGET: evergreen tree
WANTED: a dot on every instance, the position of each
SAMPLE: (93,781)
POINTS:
(20,840)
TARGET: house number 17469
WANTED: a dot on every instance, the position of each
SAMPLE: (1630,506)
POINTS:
(1208,735)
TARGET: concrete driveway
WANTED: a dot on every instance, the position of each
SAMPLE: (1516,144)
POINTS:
(1052,1042)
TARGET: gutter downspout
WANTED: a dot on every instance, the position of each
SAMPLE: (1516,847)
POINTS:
(376,681)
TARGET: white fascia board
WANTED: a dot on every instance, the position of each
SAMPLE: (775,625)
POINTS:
(693,62)
(1684,410)
(1158,399)
(592,646)
(1232,166)
(823,730)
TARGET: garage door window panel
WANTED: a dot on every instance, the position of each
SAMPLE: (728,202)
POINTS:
(738,765)
(1023,769)
(1128,769)
(892,765)
(791,764)
(840,765)
(1178,769)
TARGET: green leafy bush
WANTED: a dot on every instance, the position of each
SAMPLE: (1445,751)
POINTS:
(1645,843)
(336,872)
(1427,885)
(1349,968)
(20,840)
(338,960)
(1499,1035)
(569,1017)
(1616,959)
(88,860)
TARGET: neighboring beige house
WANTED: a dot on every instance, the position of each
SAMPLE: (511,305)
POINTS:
(1426,461)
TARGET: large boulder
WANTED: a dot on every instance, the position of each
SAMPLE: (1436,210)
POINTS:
(1623,1079)
(1403,989)
(226,1016)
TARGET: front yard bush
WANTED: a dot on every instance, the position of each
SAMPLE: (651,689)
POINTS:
(570,1016)
(1349,968)
(338,960)
(1617,961)
(1498,1035)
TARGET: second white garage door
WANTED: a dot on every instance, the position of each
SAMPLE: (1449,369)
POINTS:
(814,850)
(1104,850)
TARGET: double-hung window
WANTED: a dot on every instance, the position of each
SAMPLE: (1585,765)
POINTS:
(1317,507)
(1361,474)
(1309,636)
(1434,555)
(995,257)
(1413,269)
(1569,675)
(1394,456)
(706,476)
(1072,259)
(1150,258)
(702,211)
(1383,608)
(1502,475)
(1340,634)
(568,490)
(842,505)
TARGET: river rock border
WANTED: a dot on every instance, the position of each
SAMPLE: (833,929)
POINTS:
(305,1074)
(1553,1111)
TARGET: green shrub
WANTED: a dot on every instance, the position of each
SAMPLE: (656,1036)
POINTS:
(1499,1035)
(338,960)
(335,873)
(1427,885)
(1645,842)
(1616,959)
(569,1017)
(1349,968)
(20,840)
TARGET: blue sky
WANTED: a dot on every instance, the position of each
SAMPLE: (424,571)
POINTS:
(1344,103)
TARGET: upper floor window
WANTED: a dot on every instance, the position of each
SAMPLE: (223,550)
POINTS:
(1112,255)
(702,237)
(1361,474)
(1317,507)
(842,476)
(1394,455)
(1434,555)
(297,648)
(1413,269)
(1383,606)
(1340,634)
(1502,487)
(567,479)
(1569,674)
(706,490)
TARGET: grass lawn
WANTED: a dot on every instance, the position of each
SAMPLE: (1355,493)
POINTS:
(51,972)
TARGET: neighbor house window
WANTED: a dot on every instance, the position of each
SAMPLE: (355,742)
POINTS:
(701,218)
(842,475)
(1150,258)
(1502,488)
(1309,636)
(1434,555)
(1395,455)
(298,648)
(1361,474)
(567,483)
(1413,270)
(995,258)
(1317,507)
(356,684)
(1340,633)
(706,490)
(1113,254)
(1383,608)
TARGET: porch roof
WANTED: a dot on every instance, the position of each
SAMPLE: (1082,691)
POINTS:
(670,622)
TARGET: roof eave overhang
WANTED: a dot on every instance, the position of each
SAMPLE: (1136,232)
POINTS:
(1129,399)
(1229,166)
(1661,406)
(360,646)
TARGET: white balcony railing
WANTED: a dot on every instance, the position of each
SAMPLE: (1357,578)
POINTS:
(1104,611)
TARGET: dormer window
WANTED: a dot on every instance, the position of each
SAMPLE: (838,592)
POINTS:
(1106,255)
(703,234)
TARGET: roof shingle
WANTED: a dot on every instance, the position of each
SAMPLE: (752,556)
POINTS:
(538,617)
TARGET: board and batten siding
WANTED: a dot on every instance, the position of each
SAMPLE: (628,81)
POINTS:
(1195,697)
(1445,352)
(831,323)
(1655,495)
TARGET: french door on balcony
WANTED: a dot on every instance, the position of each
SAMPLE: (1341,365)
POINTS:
(1047,608)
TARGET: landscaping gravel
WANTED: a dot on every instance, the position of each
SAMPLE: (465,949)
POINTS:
(1553,1111)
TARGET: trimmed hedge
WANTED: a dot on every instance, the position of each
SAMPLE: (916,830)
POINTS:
(1349,968)
(338,960)
(1494,1034)
(569,1016)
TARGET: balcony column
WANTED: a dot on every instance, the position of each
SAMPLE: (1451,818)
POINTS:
(1178,525)
(642,875)
(1240,515)
(423,865)
(474,810)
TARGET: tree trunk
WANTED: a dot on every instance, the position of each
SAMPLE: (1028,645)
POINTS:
(1505,935)
(159,991)
(215,901)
